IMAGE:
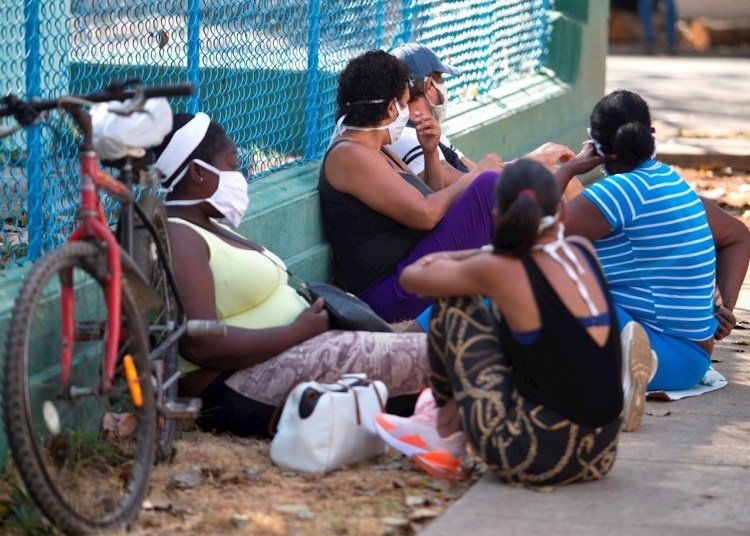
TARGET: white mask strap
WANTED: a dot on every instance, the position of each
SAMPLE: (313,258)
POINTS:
(570,264)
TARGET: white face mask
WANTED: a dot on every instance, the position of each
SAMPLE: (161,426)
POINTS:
(394,128)
(439,111)
(230,197)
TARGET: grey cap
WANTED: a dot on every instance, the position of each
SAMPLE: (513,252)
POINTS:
(422,61)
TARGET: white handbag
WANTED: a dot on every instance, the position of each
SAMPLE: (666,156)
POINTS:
(326,425)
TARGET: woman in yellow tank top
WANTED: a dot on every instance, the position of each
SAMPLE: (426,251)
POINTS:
(274,337)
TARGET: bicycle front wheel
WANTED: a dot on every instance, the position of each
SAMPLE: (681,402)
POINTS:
(84,454)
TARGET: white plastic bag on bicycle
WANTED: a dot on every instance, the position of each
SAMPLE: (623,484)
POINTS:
(117,136)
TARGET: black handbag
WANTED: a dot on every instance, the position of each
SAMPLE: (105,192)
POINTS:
(345,311)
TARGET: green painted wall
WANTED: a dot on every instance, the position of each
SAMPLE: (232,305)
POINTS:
(284,213)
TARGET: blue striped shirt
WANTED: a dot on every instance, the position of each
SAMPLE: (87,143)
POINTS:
(659,259)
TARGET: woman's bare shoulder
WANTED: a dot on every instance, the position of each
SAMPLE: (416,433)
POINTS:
(184,238)
(353,167)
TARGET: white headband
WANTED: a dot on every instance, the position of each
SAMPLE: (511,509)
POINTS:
(181,146)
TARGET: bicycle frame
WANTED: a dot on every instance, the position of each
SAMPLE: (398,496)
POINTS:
(93,225)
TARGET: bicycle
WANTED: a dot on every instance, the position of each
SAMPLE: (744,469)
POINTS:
(84,439)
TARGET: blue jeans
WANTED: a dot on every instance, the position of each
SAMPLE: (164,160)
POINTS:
(682,363)
(646,9)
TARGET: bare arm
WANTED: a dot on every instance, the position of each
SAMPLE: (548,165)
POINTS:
(503,279)
(449,173)
(574,189)
(363,173)
(467,162)
(550,154)
(240,348)
(428,135)
(489,162)
(732,241)
(444,274)
(584,219)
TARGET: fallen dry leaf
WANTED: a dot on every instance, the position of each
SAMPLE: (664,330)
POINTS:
(119,426)
(423,513)
(395,521)
(415,500)
(659,414)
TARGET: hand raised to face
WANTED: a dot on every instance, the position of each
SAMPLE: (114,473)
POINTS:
(428,131)
(551,153)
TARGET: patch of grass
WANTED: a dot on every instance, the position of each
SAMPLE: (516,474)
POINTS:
(19,514)
(77,449)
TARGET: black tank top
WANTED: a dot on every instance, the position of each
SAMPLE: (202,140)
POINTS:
(367,245)
(564,369)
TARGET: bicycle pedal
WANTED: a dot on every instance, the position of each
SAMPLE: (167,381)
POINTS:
(183,408)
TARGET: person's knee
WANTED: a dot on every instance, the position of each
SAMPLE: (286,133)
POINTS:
(680,364)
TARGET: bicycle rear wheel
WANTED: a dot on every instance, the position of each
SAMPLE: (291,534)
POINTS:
(161,320)
(84,455)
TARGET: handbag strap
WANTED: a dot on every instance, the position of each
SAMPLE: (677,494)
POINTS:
(218,230)
(339,377)
(273,423)
(370,383)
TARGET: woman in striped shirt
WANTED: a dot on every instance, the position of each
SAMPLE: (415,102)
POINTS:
(658,242)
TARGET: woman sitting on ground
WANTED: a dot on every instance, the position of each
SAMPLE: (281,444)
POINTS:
(657,242)
(274,338)
(379,216)
(533,382)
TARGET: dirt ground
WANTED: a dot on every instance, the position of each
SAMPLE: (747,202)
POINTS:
(729,188)
(222,484)
(227,485)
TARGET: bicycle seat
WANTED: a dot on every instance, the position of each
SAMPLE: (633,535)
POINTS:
(117,136)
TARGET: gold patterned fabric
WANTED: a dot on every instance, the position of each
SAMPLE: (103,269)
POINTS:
(522,442)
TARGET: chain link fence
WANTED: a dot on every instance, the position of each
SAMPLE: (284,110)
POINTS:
(265,69)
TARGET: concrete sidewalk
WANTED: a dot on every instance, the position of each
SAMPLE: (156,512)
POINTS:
(700,106)
(685,471)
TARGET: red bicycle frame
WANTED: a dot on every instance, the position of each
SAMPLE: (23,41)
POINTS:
(93,225)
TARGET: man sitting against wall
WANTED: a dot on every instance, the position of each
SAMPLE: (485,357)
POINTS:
(428,95)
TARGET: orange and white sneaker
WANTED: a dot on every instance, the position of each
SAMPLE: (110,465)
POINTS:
(426,404)
(417,437)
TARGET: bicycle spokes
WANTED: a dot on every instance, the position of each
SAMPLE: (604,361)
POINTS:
(88,437)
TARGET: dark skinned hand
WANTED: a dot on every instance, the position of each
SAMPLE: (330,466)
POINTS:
(584,161)
(314,320)
(727,321)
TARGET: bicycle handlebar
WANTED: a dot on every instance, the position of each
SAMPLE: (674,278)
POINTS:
(15,106)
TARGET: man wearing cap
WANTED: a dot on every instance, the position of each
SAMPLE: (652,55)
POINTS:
(429,96)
